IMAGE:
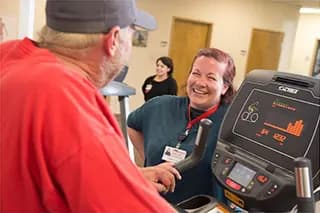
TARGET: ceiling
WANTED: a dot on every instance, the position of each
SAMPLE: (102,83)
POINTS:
(302,3)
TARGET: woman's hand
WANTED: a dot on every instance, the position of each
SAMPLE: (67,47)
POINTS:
(162,176)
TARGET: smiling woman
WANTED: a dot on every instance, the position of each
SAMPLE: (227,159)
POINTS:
(168,124)
(213,70)
(205,83)
(162,83)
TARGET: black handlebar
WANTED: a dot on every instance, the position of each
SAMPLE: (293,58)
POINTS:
(200,145)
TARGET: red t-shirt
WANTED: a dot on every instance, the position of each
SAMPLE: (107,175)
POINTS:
(61,147)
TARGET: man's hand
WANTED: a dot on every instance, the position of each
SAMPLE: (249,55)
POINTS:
(162,176)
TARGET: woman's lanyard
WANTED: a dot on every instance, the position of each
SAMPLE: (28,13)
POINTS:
(206,114)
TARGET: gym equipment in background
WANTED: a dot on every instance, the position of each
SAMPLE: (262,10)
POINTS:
(123,91)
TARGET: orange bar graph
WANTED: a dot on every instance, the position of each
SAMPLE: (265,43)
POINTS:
(293,129)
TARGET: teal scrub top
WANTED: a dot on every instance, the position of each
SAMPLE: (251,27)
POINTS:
(162,120)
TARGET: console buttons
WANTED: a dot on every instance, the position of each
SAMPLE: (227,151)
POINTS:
(272,189)
(225,171)
(262,179)
(217,155)
(250,186)
(233,184)
(227,160)
(214,163)
(274,186)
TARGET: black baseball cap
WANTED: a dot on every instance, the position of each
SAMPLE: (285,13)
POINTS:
(96,16)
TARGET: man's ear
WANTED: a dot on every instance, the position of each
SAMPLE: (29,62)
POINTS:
(111,41)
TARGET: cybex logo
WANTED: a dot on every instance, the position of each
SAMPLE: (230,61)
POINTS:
(288,89)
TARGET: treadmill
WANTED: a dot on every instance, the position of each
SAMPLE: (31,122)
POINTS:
(267,154)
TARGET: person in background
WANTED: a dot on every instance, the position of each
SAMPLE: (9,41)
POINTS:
(167,125)
(61,147)
(162,83)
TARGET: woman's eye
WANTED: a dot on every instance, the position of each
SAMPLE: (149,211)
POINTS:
(212,78)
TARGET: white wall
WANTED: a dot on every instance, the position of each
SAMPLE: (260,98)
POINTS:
(39,16)
(232,21)
(308,32)
(26,20)
(10,14)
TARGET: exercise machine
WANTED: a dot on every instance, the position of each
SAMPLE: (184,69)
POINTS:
(267,154)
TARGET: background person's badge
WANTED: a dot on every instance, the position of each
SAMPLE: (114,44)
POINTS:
(148,87)
(173,154)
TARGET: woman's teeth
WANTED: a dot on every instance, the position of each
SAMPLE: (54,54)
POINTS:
(198,91)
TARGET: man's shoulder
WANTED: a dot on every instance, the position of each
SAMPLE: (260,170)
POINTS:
(54,80)
(6,48)
(57,74)
(9,44)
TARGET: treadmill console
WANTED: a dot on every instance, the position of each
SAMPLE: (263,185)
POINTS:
(273,120)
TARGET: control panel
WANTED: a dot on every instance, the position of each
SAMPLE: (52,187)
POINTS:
(273,120)
(250,178)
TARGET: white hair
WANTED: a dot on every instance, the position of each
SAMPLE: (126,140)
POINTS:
(79,44)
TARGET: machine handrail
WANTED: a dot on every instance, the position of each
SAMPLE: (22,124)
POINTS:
(200,145)
(304,185)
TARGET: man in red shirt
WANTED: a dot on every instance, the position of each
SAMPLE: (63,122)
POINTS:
(61,147)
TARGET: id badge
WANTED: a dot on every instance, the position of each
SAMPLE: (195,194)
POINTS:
(148,88)
(173,154)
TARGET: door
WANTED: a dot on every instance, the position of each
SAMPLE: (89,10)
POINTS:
(187,37)
(265,49)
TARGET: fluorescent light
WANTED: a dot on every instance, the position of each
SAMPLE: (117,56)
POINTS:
(306,10)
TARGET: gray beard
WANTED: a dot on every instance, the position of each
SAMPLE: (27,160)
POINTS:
(110,68)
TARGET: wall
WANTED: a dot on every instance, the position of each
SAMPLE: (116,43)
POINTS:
(232,21)
(308,32)
(39,16)
(10,15)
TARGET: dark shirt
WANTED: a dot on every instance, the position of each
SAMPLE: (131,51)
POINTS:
(152,88)
(162,120)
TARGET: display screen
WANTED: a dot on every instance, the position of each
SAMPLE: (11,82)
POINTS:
(241,174)
(282,124)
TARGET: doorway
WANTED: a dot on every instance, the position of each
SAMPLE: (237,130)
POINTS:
(187,37)
(265,49)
